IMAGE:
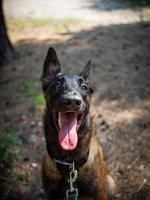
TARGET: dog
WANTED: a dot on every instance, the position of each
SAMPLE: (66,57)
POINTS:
(73,166)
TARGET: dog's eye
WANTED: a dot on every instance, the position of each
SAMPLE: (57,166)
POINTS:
(58,83)
(84,87)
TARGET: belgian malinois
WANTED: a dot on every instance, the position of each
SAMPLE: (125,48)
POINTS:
(73,167)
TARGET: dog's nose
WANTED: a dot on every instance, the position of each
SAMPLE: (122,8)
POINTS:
(73,102)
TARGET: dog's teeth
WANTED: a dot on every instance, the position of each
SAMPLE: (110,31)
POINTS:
(59,121)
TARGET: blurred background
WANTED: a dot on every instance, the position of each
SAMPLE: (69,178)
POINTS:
(115,35)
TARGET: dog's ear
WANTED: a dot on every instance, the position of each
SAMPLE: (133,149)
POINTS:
(86,71)
(51,67)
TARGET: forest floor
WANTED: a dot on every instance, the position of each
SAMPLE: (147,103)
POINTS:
(120,54)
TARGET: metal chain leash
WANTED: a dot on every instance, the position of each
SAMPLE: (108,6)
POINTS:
(72,193)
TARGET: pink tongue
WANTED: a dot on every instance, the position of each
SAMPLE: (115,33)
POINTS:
(68,130)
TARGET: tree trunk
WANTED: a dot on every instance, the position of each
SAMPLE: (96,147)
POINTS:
(6,49)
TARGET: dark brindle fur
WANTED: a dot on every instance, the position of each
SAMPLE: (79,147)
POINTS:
(65,93)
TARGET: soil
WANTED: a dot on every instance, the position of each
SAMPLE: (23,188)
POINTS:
(121,80)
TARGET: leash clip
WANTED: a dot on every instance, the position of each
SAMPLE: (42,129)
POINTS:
(72,193)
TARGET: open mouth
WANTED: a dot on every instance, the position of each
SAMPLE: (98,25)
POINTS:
(69,123)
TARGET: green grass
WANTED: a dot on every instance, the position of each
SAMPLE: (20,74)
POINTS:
(14,178)
(35,98)
(38,100)
(55,24)
(30,88)
(139,2)
(9,150)
(9,156)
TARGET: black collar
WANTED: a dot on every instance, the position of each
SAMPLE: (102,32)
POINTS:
(78,163)
(64,164)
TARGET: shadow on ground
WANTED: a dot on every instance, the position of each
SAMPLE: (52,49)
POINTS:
(121,74)
(109,5)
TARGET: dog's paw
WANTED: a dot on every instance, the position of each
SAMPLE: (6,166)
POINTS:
(111,185)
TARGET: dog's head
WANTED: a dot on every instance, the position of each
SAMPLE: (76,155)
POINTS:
(67,99)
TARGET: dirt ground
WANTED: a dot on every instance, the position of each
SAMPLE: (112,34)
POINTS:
(120,57)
